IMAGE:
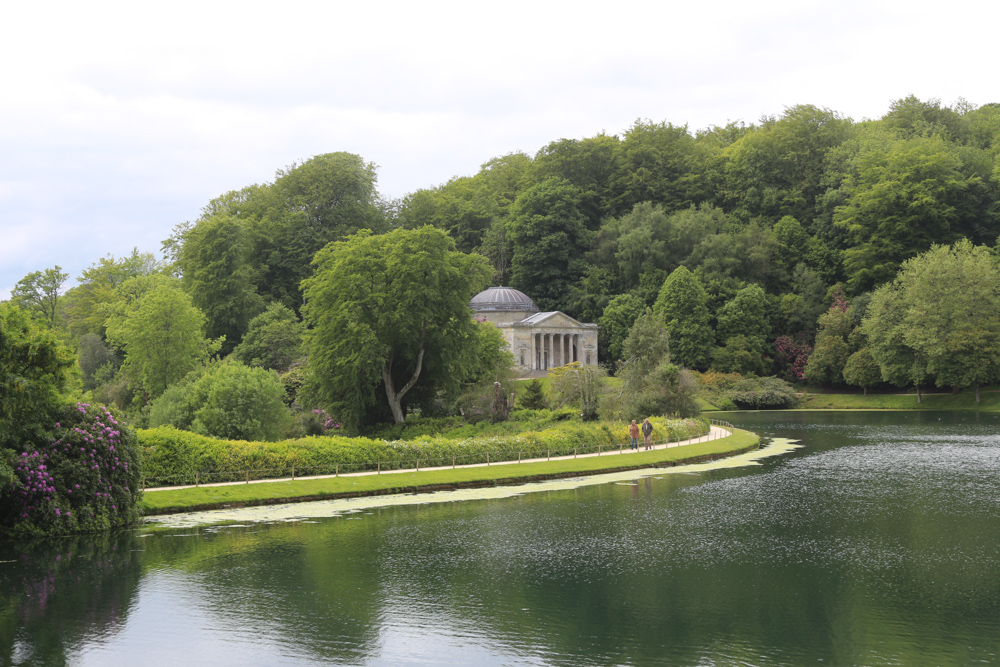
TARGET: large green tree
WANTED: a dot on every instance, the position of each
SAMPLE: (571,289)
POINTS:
(162,335)
(549,234)
(386,312)
(747,314)
(883,326)
(651,383)
(273,339)
(617,320)
(216,272)
(777,169)
(832,348)
(900,202)
(86,304)
(951,303)
(39,292)
(33,372)
(683,305)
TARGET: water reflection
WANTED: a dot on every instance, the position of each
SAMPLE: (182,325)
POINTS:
(877,543)
(58,595)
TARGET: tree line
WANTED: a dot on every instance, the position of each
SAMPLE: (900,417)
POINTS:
(756,248)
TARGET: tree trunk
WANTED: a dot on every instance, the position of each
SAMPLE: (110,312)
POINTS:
(396,398)
(865,390)
(920,398)
(977,393)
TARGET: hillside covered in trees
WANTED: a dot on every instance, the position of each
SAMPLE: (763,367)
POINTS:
(760,247)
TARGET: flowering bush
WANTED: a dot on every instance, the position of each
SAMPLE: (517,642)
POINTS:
(790,356)
(85,479)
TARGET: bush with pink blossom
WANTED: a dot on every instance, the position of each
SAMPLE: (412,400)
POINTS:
(85,478)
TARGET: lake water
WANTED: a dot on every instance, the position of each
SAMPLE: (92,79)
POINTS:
(875,543)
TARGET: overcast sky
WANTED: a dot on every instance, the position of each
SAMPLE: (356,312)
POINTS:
(120,120)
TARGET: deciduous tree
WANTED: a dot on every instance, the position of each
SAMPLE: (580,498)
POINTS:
(387,311)
(39,291)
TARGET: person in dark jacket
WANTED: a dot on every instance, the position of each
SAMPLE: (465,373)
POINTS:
(647,433)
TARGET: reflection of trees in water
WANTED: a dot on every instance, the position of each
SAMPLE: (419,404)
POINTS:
(310,589)
(58,593)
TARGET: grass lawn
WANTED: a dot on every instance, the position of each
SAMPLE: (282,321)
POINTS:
(183,500)
(990,401)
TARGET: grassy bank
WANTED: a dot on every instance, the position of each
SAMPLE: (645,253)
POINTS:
(241,495)
(990,401)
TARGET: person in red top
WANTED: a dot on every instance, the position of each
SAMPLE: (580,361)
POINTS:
(633,432)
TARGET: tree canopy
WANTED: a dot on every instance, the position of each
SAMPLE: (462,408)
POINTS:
(386,312)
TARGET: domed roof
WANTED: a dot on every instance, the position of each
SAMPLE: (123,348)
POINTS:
(502,298)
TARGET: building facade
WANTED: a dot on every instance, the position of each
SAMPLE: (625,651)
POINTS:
(539,341)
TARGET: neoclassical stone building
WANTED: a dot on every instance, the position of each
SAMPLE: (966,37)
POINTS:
(539,341)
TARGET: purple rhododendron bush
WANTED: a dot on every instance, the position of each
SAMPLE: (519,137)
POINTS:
(85,478)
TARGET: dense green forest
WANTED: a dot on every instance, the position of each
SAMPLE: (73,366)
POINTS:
(761,249)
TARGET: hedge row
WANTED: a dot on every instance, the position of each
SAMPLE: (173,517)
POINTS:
(173,457)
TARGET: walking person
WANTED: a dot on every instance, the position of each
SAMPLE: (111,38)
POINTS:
(633,433)
(647,433)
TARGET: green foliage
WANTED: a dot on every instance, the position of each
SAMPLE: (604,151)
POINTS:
(38,293)
(862,370)
(884,326)
(747,315)
(92,355)
(619,316)
(737,356)
(682,304)
(831,351)
(225,400)
(86,304)
(215,269)
(579,385)
(86,478)
(944,308)
(533,397)
(33,372)
(778,169)
(745,254)
(659,163)
(386,312)
(651,384)
(172,457)
(901,201)
(162,335)
(273,339)
(549,234)
(768,393)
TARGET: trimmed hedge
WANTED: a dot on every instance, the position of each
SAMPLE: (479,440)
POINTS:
(173,457)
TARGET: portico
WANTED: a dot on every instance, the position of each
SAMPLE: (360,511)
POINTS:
(538,341)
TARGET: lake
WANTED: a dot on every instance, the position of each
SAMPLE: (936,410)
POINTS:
(877,542)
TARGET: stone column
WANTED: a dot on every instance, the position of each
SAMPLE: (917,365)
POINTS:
(557,349)
(566,349)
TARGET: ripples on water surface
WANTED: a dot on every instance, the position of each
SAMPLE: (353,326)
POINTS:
(876,543)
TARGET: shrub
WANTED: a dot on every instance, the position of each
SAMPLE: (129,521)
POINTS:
(225,400)
(763,394)
(85,479)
